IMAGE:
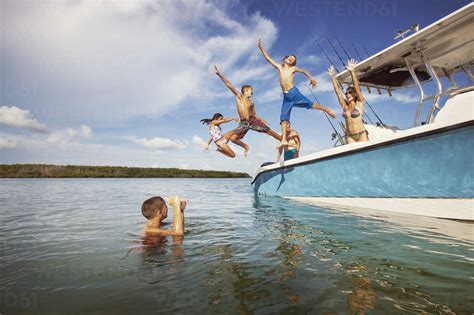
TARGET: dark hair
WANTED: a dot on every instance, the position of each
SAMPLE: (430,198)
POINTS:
(152,206)
(246,86)
(351,89)
(294,63)
(207,121)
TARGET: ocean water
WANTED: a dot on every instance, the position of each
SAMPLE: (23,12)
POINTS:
(75,246)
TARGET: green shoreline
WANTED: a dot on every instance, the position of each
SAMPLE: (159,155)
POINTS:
(83,171)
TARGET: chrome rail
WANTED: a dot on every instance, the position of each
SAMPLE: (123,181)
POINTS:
(422,93)
(467,69)
(448,75)
(439,88)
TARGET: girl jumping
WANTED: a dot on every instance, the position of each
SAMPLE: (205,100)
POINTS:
(219,139)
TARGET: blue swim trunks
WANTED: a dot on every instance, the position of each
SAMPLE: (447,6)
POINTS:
(293,98)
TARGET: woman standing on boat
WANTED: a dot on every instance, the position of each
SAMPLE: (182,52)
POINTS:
(352,105)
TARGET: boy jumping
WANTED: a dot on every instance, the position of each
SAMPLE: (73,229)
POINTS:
(246,109)
(292,97)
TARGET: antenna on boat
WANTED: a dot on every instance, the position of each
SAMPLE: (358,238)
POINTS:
(327,57)
(355,49)
(368,117)
(378,90)
(337,134)
(402,33)
(324,53)
(373,111)
(335,50)
(339,56)
(366,51)
(340,44)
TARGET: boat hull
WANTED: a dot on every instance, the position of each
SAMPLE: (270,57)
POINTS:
(435,165)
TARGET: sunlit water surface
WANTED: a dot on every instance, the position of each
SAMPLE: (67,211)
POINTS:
(76,246)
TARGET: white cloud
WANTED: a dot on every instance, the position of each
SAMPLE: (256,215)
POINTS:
(71,132)
(86,131)
(59,136)
(324,83)
(160,143)
(17,117)
(141,57)
(199,141)
(34,149)
(100,62)
(270,95)
(183,165)
(67,134)
(7,143)
(308,60)
(250,72)
(405,97)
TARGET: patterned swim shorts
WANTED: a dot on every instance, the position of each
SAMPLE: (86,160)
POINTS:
(253,123)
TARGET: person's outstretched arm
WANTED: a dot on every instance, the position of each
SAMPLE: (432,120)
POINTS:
(226,82)
(351,63)
(208,143)
(337,89)
(266,55)
(223,121)
(312,81)
(178,204)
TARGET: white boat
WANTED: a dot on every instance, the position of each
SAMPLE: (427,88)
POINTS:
(424,170)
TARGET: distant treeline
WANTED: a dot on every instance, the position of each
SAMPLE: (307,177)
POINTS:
(77,171)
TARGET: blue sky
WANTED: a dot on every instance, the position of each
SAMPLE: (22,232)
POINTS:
(126,82)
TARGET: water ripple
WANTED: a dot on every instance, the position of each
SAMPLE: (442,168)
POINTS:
(79,249)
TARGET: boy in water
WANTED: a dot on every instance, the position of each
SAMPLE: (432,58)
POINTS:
(155,211)
(292,97)
(246,109)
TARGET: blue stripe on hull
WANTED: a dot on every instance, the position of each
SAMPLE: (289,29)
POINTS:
(436,166)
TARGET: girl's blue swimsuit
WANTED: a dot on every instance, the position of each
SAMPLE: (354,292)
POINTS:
(290,154)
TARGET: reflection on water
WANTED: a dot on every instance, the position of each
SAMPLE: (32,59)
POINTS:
(240,254)
(362,297)
(157,251)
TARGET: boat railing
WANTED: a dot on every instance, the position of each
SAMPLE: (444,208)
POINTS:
(418,84)
(439,88)
(452,90)
(467,70)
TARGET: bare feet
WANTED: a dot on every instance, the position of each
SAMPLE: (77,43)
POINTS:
(246,151)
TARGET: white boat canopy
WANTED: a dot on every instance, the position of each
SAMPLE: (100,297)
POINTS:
(445,47)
